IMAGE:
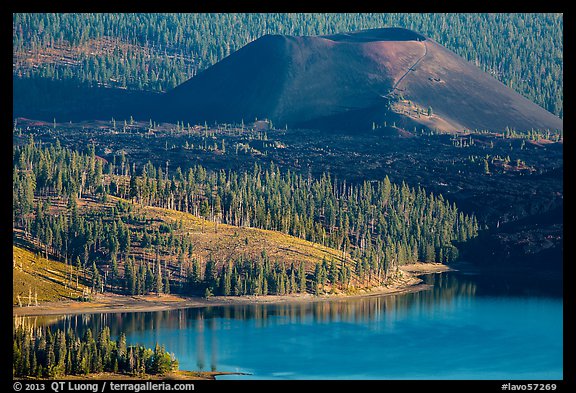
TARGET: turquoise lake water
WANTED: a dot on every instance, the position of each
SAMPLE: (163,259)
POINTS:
(466,327)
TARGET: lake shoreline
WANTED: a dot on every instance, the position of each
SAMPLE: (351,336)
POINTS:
(180,375)
(407,282)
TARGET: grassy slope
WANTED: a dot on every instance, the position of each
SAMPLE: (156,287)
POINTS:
(222,243)
(225,242)
(43,276)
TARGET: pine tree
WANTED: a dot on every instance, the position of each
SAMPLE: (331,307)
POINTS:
(167,282)
(129,276)
(316,279)
(96,278)
(210,274)
(301,278)
(333,272)
(115,272)
(158,285)
(78,269)
(227,283)
(149,280)
(292,287)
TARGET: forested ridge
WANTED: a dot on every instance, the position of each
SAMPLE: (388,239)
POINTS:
(379,225)
(159,51)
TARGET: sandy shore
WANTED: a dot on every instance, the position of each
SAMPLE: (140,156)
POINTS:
(112,303)
(426,268)
(173,375)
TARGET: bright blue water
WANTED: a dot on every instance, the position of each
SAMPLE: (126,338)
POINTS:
(466,327)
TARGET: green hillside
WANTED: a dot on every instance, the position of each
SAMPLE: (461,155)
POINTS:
(43,279)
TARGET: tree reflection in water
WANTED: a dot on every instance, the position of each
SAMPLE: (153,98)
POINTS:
(194,332)
(204,322)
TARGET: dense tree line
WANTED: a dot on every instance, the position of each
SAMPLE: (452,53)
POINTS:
(247,277)
(363,219)
(377,225)
(42,353)
(160,51)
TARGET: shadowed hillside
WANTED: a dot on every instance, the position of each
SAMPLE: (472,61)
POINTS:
(350,81)
(39,279)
